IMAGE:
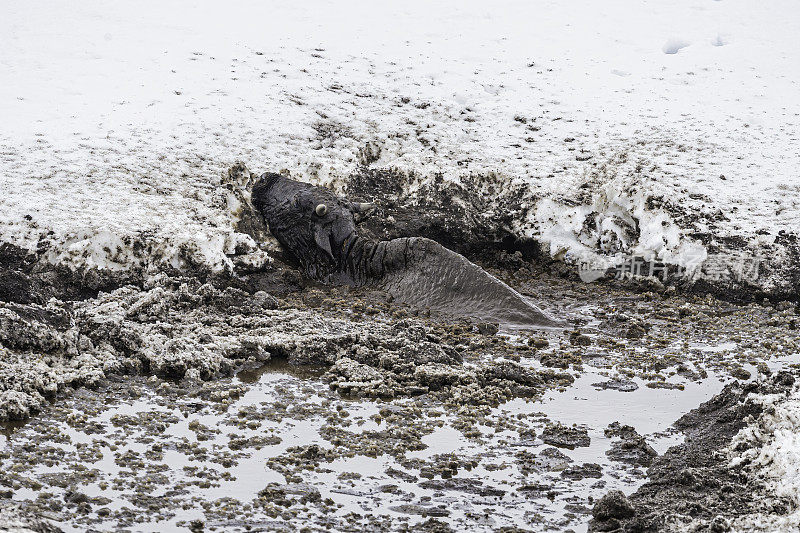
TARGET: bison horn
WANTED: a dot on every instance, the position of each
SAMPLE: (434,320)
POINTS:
(362,207)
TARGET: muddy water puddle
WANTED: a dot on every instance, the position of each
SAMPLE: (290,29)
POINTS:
(270,450)
(276,448)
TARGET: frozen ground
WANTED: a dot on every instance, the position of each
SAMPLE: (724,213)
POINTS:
(119,123)
(654,129)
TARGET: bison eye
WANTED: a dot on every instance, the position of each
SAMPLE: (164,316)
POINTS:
(321,209)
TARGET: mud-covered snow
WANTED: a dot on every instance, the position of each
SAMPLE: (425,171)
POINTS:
(672,125)
(771,453)
(595,131)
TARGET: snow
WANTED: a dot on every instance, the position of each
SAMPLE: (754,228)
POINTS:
(772,444)
(673,45)
(119,122)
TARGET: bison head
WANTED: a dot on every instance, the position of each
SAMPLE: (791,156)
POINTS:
(312,224)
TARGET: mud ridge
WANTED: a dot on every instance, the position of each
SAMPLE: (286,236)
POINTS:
(694,482)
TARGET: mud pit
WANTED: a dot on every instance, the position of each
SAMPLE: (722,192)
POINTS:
(257,403)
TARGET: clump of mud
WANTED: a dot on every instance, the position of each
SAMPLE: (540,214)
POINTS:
(470,217)
(632,448)
(179,326)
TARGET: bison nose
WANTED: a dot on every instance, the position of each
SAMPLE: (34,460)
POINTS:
(321,209)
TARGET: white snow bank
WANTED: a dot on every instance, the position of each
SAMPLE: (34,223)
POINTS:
(118,121)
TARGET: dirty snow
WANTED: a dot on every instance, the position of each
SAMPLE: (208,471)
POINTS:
(772,453)
(118,124)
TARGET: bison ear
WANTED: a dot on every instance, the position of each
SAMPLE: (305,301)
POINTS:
(322,238)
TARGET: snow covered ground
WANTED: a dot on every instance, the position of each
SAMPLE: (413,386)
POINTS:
(678,118)
(118,122)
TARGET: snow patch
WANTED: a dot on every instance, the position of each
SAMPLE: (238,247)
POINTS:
(614,226)
(674,45)
(96,162)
